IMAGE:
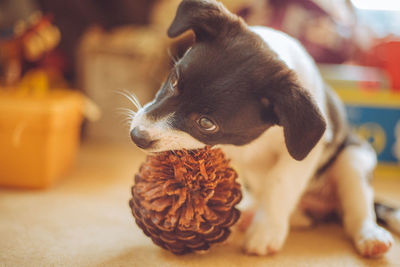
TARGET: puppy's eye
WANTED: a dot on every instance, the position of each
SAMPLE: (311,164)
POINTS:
(207,124)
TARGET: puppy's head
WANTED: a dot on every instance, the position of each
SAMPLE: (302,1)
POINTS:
(228,88)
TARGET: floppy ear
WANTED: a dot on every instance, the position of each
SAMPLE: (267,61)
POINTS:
(301,119)
(207,18)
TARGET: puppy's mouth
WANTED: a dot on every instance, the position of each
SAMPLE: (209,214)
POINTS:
(152,149)
(147,145)
(155,148)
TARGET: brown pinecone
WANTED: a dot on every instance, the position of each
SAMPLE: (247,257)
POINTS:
(184,200)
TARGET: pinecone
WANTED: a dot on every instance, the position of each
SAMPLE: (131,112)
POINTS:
(184,200)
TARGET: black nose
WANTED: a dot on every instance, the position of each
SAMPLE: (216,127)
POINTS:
(141,138)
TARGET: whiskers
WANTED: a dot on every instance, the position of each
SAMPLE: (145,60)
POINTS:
(128,114)
(131,97)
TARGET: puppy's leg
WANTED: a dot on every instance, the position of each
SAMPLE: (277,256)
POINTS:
(278,191)
(351,171)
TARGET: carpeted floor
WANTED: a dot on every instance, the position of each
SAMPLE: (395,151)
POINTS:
(85,220)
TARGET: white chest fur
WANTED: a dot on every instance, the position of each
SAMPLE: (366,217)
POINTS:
(260,154)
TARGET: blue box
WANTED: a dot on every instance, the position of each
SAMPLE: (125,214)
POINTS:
(378,126)
(375,115)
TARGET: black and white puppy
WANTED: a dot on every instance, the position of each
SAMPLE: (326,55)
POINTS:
(256,93)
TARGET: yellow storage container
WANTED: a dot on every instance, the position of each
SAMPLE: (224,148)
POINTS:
(39,136)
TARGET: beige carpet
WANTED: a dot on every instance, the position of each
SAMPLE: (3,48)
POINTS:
(85,220)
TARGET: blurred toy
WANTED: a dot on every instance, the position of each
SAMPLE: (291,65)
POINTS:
(329,30)
(39,81)
(185,200)
(385,54)
(39,135)
(354,77)
(373,114)
(31,41)
(38,36)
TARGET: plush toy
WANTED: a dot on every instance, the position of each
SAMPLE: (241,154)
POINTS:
(185,200)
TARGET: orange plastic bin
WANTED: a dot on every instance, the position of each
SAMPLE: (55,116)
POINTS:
(39,137)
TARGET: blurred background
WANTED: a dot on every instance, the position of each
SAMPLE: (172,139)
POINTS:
(65,67)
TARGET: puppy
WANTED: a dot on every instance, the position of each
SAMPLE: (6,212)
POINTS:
(257,94)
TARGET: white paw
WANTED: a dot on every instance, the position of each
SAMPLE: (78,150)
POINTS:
(373,241)
(263,239)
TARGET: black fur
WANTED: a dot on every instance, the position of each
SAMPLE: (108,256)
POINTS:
(225,76)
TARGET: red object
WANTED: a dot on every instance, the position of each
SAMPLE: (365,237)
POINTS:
(391,52)
(386,55)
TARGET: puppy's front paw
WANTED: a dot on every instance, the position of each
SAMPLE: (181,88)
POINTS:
(373,241)
(263,239)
